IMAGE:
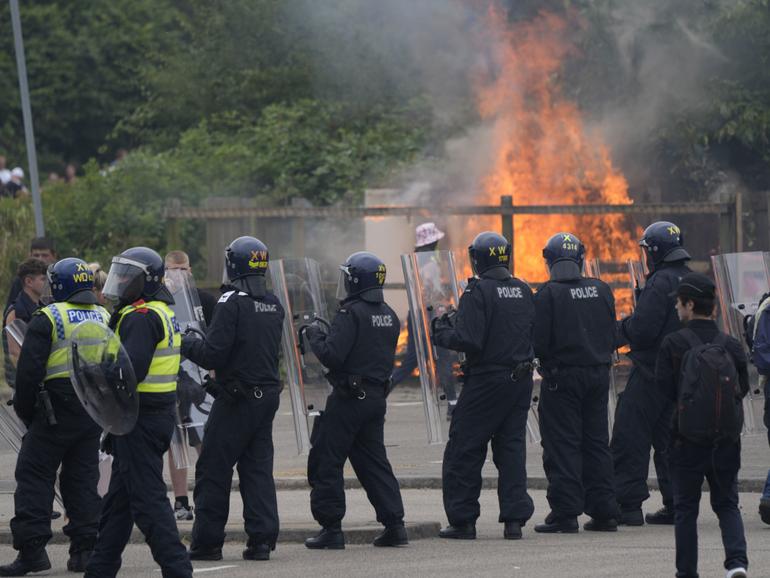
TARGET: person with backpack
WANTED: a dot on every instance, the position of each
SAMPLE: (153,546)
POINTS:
(705,371)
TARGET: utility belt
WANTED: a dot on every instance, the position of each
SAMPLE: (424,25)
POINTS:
(517,372)
(357,386)
(235,390)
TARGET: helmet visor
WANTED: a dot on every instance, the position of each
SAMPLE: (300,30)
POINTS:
(342,284)
(125,280)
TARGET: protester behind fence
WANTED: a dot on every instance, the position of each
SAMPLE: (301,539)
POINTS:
(40,248)
(705,372)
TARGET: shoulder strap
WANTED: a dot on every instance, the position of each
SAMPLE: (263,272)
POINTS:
(721,339)
(691,337)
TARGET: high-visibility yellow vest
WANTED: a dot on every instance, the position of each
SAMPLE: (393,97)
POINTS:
(64,317)
(164,368)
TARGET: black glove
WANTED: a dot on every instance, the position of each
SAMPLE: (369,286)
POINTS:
(211,386)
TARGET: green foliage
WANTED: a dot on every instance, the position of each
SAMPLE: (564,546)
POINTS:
(17,227)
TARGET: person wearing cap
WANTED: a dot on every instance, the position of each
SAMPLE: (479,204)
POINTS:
(427,237)
(63,437)
(691,461)
(643,414)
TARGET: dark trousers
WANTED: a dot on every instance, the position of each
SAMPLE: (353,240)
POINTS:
(690,463)
(73,444)
(137,495)
(238,432)
(576,453)
(642,421)
(491,407)
(351,428)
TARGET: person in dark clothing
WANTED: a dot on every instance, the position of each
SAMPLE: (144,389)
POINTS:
(358,351)
(691,461)
(428,236)
(493,326)
(68,439)
(32,277)
(39,248)
(643,415)
(760,356)
(242,345)
(574,341)
(149,333)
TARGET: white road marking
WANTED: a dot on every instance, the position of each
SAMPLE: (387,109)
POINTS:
(212,569)
(404,403)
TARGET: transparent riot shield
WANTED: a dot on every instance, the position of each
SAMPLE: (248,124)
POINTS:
(103,377)
(742,279)
(432,290)
(637,274)
(593,268)
(194,404)
(297,284)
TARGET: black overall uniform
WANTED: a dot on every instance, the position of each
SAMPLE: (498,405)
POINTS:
(360,347)
(643,415)
(574,340)
(72,444)
(243,346)
(493,327)
(137,492)
(690,462)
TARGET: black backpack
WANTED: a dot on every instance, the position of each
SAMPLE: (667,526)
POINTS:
(709,405)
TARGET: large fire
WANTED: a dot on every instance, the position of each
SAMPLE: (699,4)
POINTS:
(544,153)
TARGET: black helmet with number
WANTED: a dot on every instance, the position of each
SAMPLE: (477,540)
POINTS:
(246,262)
(71,280)
(489,250)
(564,253)
(662,242)
(362,275)
(137,273)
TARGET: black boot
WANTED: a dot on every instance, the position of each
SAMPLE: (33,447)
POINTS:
(257,552)
(512,531)
(631,517)
(601,525)
(392,536)
(663,517)
(30,559)
(211,553)
(459,532)
(81,549)
(327,539)
(558,525)
(764,510)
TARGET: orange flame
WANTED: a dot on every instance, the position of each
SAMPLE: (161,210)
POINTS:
(544,153)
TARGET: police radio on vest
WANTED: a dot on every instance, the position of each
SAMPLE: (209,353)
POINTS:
(584,292)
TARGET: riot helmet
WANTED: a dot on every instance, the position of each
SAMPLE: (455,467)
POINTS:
(71,280)
(136,273)
(362,275)
(564,253)
(246,261)
(662,242)
(489,250)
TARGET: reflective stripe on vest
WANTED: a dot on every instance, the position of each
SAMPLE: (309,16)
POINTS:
(164,368)
(64,317)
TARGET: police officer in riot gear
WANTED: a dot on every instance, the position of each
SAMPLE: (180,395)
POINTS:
(358,350)
(642,418)
(149,333)
(242,345)
(574,341)
(60,431)
(493,326)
